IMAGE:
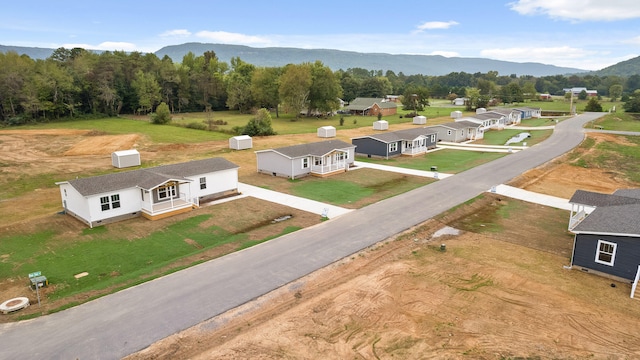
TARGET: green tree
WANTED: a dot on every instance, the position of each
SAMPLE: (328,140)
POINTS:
(264,87)
(511,93)
(325,90)
(260,125)
(633,104)
(295,83)
(415,98)
(162,115)
(583,95)
(148,91)
(473,94)
(238,83)
(593,105)
(615,92)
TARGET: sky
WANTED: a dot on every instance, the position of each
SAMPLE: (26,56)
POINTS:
(583,34)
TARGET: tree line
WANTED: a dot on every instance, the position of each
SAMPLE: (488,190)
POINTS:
(76,82)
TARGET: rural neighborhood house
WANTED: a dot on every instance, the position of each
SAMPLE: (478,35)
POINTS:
(607,233)
(394,143)
(372,107)
(321,158)
(154,193)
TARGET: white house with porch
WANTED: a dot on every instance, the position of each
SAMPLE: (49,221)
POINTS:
(323,158)
(153,193)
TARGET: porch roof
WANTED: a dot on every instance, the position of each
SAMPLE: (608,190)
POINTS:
(148,178)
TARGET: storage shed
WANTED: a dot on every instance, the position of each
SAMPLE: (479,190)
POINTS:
(419,120)
(240,142)
(125,158)
(456,114)
(381,125)
(326,132)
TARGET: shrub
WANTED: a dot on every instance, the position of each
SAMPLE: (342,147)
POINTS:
(162,114)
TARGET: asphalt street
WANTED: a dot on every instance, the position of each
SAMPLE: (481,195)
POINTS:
(117,325)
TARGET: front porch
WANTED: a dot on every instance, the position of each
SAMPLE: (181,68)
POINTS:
(172,206)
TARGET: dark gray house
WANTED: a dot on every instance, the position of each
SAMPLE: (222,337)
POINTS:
(457,131)
(607,233)
(321,158)
(410,142)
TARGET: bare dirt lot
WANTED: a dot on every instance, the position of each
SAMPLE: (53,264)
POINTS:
(490,295)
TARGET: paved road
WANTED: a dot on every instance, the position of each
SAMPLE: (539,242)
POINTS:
(122,323)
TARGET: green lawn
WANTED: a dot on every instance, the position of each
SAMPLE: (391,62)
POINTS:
(501,137)
(619,121)
(112,261)
(447,160)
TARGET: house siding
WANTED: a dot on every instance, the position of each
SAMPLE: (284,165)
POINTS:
(627,256)
(218,183)
(272,163)
(129,203)
(373,147)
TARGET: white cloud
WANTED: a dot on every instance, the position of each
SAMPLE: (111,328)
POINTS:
(107,45)
(433,25)
(445,53)
(585,10)
(632,41)
(232,38)
(176,33)
(565,56)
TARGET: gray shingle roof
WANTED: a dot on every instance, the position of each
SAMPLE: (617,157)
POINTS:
(617,213)
(319,148)
(616,219)
(457,125)
(150,177)
(361,104)
(399,135)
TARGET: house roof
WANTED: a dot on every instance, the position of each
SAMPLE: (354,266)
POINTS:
(361,104)
(457,125)
(488,116)
(400,135)
(615,213)
(148,178)
(319,148)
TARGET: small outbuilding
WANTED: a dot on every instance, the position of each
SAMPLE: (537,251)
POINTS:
(419,120)
(456,114)
(125,158)
(240,142)
(326,132)
(381,125)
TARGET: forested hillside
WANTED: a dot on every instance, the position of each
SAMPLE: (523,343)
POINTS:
(76,82)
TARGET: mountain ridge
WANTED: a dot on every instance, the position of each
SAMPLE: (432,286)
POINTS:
(408,64)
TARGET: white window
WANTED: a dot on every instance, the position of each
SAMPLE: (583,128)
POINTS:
(606,252)
(203,183)
(433,138)
(305,163)
(166,191)
(115,201)
(110,202)
(393,147)
(104,203)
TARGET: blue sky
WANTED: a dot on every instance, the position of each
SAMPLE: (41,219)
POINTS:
(585,34)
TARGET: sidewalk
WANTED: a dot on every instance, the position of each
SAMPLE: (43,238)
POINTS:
(423,173)
(542,199)
(312,206)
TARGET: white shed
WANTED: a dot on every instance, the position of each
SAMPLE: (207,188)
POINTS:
(381,125)
(456,114)
(240,142)
(326,132)
(419,120)
(125,158)
(481,110)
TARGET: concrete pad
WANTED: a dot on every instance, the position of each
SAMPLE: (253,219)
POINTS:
(312,206)
(530,196)
(423,173)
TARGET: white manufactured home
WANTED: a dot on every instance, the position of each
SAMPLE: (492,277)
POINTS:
(153,193)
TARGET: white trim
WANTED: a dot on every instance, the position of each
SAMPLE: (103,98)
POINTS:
(635,282)
(613,252)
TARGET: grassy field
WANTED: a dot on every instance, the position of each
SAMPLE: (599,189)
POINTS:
(501,137)
(619,121)
(447,160)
